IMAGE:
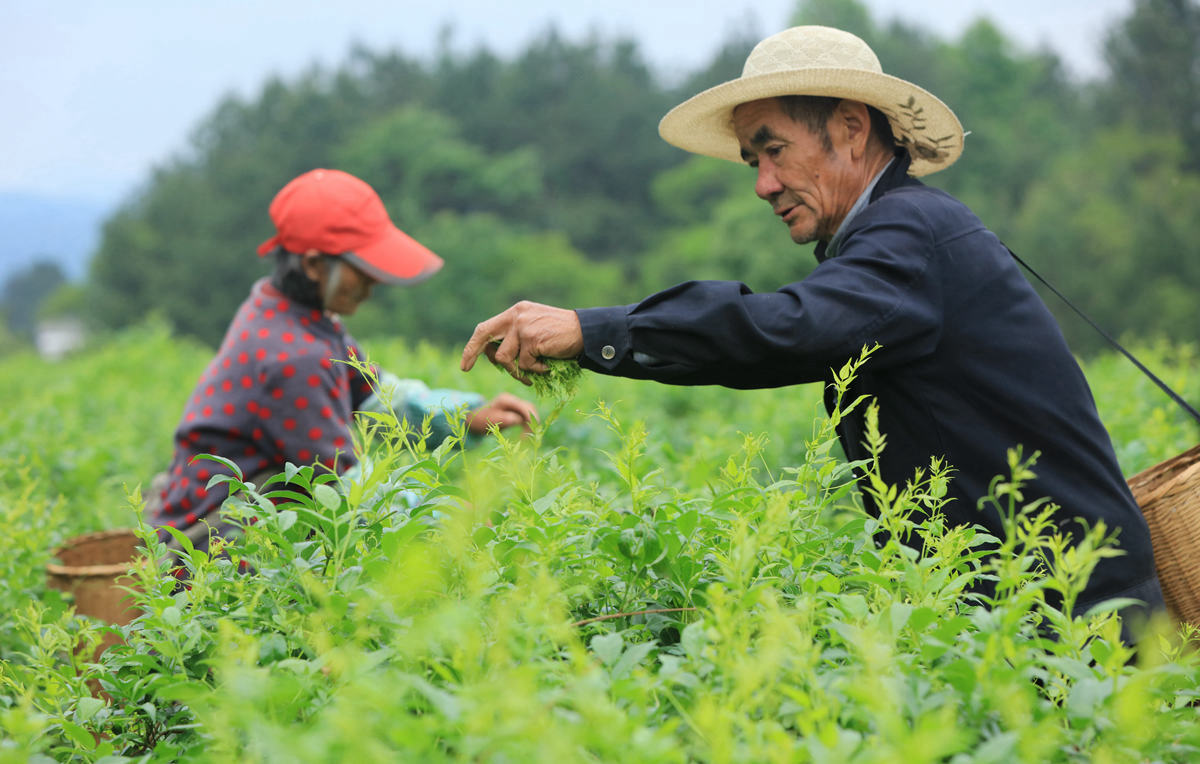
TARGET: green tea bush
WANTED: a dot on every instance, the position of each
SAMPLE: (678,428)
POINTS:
(1147,427)
(651,575)
(73,435)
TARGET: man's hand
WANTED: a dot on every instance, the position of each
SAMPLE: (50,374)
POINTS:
(505,410)
(521,336)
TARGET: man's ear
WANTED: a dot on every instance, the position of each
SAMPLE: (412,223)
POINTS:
(852,125)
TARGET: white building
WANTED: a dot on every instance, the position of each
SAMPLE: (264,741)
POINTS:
(56,337)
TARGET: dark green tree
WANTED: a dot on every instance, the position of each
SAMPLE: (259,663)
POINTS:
(590,113)
(418,160)
(1153,58)
(1120,236)
(184,245)
(848,15)
(489,265)
(23,293)
(542,176)
(721,230)
(561,138)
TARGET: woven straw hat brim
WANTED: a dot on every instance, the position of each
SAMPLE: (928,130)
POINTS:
(921,123)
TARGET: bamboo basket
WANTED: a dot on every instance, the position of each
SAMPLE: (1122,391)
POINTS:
(93,568)
(1169,495)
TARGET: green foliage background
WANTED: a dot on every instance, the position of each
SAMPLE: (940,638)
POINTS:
(489,603)
(542,177)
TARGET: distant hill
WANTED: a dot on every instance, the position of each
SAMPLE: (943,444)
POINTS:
(62,230)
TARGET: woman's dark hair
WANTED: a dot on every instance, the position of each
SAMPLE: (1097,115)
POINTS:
(288,277)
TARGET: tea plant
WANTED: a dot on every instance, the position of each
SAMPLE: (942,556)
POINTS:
(1147,427)
(560,381)
(654,577)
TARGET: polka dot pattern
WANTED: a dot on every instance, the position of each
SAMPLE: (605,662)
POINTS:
(274,393)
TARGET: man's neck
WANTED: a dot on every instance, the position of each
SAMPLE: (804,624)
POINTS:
(872,164)
(832,246)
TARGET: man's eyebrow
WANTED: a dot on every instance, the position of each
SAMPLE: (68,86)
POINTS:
(761,136)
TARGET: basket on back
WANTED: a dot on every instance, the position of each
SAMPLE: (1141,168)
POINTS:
(1169,495)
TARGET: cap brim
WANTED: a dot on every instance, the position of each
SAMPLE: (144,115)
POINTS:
(268,245)
(395,258)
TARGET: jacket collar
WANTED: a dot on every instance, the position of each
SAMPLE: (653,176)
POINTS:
(894,176)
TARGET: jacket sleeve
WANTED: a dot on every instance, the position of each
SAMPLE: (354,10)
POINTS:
(413,401)
(883,288)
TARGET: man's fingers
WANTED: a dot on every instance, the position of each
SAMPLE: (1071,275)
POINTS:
(509,366)
(509,355)
(491,350)
(505,353)
(529,362)
(485,333)
(525,332)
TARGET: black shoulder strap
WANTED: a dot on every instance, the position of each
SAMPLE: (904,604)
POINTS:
(1174,396)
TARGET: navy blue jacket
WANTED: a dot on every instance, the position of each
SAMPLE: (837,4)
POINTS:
(971,362)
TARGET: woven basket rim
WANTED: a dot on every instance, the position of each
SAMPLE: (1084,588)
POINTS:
(105,570)
(1175,463)
(88,571)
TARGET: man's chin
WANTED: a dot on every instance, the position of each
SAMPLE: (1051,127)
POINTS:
(803,237)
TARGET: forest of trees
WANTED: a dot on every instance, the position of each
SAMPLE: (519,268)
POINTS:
(542,177)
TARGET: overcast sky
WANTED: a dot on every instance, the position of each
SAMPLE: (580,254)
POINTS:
(95,93)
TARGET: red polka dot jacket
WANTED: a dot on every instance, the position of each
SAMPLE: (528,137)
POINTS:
(274,393)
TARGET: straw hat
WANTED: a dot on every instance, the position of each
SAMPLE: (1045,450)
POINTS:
(819,61)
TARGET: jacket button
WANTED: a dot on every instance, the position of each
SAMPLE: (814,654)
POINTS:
(608,352)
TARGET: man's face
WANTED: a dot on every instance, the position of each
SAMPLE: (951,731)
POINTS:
(810,188)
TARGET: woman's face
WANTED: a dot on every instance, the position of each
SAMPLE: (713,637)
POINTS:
(343,287)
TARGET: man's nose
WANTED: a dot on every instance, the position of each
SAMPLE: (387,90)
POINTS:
(767,184)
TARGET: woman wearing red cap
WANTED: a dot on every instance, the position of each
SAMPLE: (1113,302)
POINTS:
(276,392)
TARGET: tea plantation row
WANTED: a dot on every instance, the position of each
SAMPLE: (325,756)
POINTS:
(656,574)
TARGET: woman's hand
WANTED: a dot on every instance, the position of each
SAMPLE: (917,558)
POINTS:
(505,410)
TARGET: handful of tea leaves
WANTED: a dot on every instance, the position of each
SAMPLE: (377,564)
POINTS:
(559,382)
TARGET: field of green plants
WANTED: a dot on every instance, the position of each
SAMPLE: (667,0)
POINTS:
(656,574)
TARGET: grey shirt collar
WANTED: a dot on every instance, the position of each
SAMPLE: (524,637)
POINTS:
(835,244)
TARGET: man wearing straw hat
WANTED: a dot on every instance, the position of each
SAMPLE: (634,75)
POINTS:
(970,363)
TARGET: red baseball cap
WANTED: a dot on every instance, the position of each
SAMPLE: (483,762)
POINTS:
(335,213)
